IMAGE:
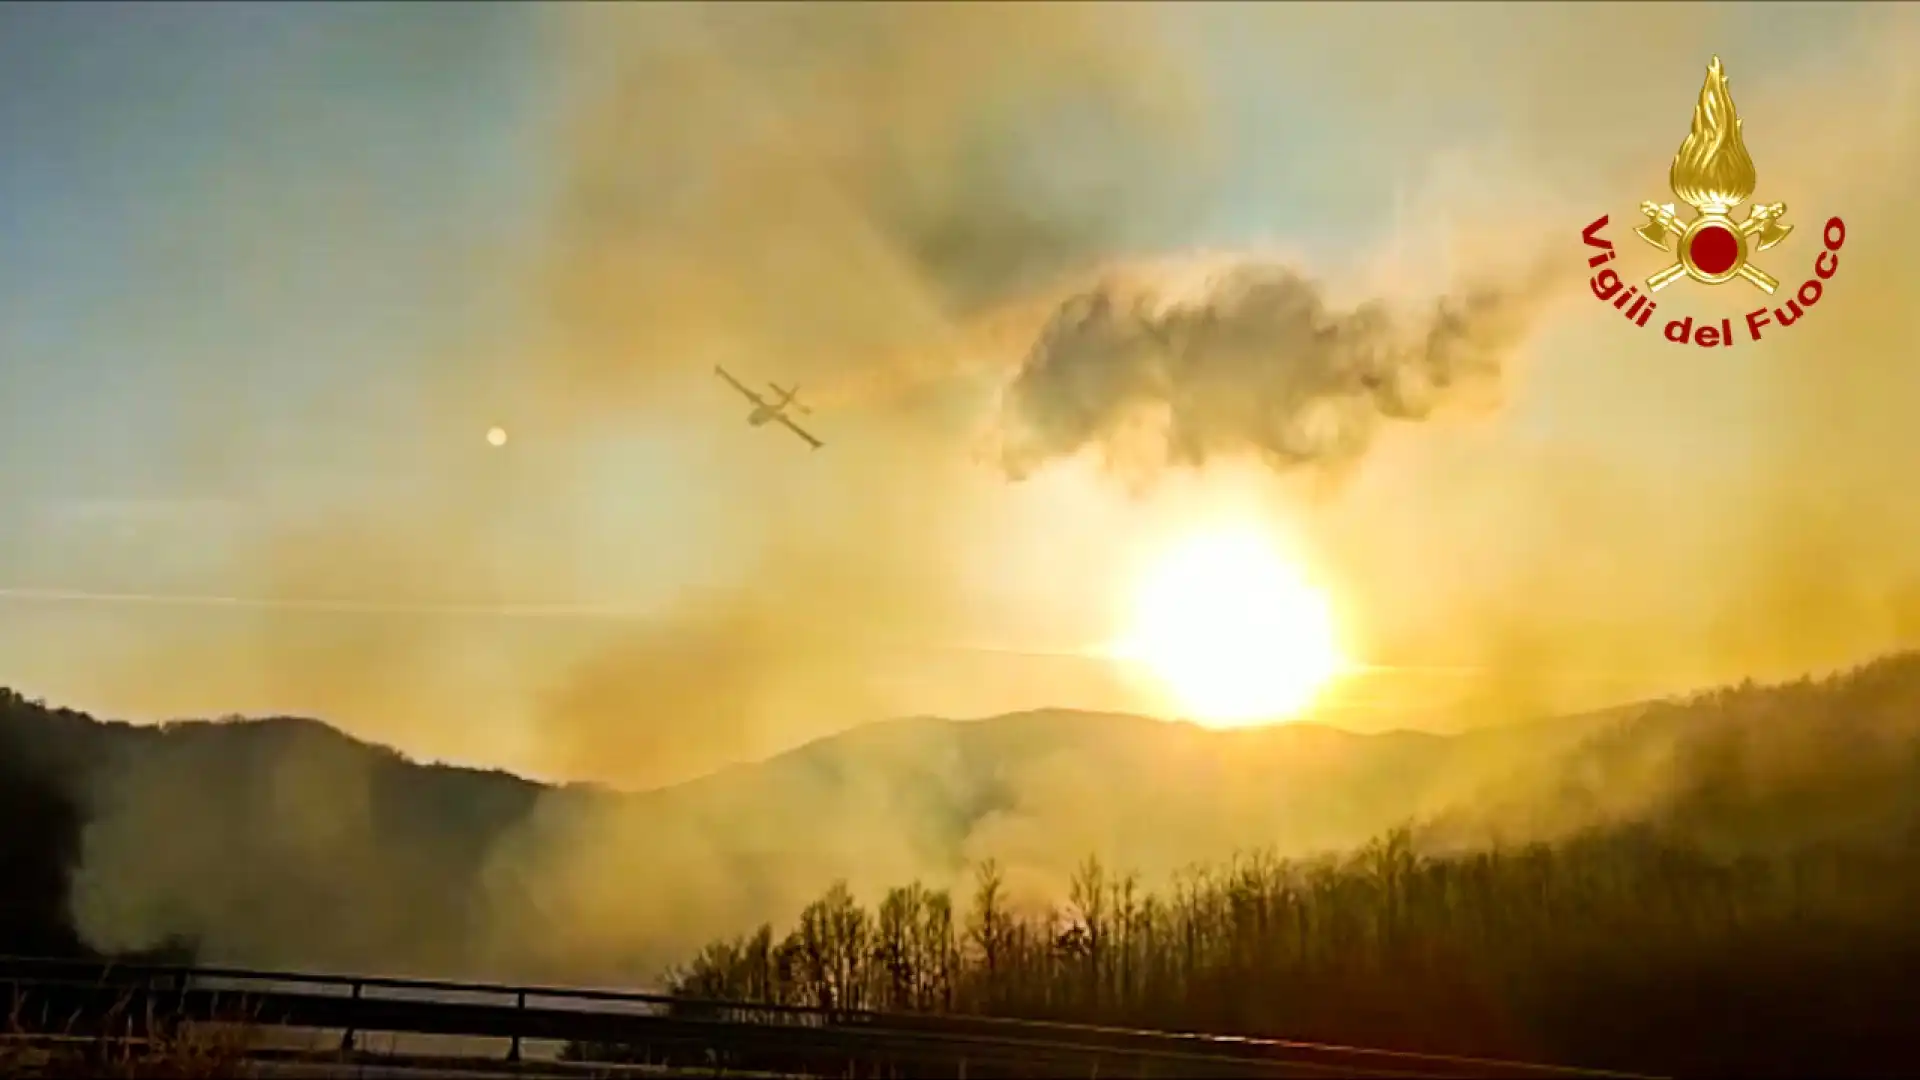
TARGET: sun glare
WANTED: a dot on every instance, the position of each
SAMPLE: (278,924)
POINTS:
(1232,631)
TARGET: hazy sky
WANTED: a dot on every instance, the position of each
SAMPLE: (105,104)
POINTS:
(268,273)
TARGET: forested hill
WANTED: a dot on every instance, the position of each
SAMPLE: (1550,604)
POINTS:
(1753,917)
(284,842)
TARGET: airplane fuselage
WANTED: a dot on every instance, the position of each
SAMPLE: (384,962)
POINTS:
(768,411)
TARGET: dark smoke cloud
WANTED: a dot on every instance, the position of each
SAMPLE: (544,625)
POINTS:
(1253,358)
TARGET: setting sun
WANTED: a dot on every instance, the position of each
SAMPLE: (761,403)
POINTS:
(1232,630)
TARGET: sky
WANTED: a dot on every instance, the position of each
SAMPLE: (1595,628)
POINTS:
(268,273)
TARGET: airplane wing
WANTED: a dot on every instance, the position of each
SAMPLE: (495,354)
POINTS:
(798,430)
(737,385)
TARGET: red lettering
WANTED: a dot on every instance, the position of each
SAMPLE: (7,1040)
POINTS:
(1591,234)
(1827,236)
(1678,330)
(1756,320)
(1826,264)
(1809,301)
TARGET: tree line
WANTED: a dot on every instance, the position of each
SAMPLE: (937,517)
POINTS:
(1624,949)
(1761,921)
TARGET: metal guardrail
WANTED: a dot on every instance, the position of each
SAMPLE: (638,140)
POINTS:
(355,1004)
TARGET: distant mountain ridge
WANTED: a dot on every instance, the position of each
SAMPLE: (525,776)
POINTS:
(284,841)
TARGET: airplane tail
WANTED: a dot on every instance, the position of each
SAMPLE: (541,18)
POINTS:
(789,398)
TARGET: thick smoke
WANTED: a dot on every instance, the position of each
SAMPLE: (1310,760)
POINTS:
(795,192)
(826,195)
(1250,358)
(848,196)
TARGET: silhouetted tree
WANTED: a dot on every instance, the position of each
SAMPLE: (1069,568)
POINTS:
(1724,936)
(40,825)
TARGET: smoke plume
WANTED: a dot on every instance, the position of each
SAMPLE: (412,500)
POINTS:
(1250,358)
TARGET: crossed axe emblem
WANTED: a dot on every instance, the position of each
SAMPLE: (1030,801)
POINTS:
(1761,230)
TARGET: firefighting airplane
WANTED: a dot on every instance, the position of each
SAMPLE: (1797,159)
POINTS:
(774,410)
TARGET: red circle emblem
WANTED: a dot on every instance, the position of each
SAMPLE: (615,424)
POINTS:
(1714,249)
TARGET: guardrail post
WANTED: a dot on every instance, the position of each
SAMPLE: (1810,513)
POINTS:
(346,1037)
(513,1052)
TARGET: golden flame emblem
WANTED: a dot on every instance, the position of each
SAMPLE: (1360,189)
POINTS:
(1713,173)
